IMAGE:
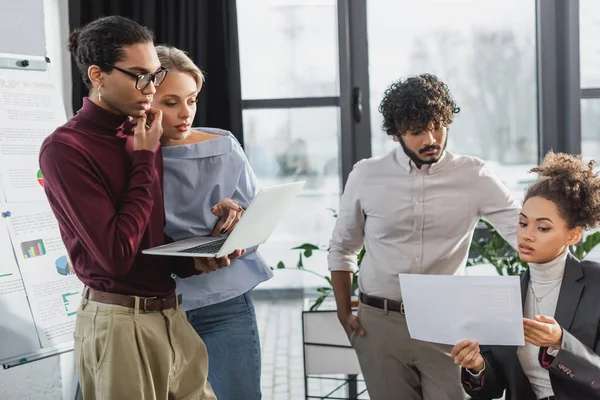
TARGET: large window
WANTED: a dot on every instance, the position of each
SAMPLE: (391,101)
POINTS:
(288,48)
(306,65)
(290,88)
(590,128)
(590,77)
(486,52)
(589,46)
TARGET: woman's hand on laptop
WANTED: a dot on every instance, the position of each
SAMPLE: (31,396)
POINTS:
(229,212)
(213,264)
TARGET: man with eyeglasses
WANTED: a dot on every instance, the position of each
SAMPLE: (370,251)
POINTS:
(103,179)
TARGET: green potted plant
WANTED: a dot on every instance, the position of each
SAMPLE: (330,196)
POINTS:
(306,250)
(491,248)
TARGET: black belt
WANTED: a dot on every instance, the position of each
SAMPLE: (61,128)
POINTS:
(384,304)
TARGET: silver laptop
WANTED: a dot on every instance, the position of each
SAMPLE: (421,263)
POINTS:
(254,228)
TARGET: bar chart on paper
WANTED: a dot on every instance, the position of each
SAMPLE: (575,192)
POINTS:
(33,248)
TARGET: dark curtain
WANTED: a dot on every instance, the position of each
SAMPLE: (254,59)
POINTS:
(205,29)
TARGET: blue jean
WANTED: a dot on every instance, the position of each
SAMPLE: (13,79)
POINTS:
(230,334)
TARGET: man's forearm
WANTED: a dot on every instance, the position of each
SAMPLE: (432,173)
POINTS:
(342,288)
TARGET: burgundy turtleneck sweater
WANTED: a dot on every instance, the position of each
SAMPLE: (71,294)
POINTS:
(109,204)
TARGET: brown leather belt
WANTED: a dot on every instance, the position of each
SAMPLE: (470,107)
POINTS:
(384,304)
(147,304)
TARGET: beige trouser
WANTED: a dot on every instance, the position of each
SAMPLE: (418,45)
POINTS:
(126,354)
(396,367)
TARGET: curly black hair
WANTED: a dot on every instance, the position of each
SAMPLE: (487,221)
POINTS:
(570,184)
(416,103)
(101,42)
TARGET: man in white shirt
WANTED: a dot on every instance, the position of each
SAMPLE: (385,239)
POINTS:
(414,210)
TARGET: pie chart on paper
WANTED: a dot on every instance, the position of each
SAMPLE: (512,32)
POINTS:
(40,178)
(64,266)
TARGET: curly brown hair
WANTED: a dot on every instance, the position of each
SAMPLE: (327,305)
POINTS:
(570,184)
(416,103)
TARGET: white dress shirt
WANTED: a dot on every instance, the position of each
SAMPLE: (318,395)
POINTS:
(413,220)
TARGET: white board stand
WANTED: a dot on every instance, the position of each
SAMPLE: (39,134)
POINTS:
(39,292)
(327,352)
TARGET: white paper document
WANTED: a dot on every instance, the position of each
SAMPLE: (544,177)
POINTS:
(53,289)
(30,109)
(448,309)
(17,328)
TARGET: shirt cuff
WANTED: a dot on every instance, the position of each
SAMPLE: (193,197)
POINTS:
(546,357)
(478,375)
(473,381)
(144,157)
(552,352)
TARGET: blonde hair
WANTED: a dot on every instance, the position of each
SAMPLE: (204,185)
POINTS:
(174,59)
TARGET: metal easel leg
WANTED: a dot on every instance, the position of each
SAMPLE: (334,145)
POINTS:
(78,394)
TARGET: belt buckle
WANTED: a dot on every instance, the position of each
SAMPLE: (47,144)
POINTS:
(145,309)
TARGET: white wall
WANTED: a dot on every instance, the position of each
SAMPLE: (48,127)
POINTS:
(56,19)
(39,27)
(22,27)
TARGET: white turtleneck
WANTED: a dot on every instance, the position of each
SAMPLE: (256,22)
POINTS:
(546,280)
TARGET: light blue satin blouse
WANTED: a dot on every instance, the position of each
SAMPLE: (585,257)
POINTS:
(196,177)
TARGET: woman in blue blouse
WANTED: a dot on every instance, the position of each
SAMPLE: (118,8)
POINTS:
(203,166)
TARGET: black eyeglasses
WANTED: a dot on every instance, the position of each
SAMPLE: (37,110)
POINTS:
(143,80)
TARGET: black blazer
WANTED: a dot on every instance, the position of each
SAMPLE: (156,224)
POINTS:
(575,372)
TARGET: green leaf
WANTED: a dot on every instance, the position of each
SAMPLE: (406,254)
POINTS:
(300,264)
(588,244)
(579,253)
(306,246)
(355,283)
(308,249)
(280,265)
(494,250)
(318,302)
(498,269)
(360,256)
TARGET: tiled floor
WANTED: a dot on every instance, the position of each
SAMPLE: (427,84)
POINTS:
(280,328)
(279,325)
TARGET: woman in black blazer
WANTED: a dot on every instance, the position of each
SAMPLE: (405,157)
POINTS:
(561,297)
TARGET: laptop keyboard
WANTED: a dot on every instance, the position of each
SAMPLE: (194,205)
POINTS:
(207,248)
